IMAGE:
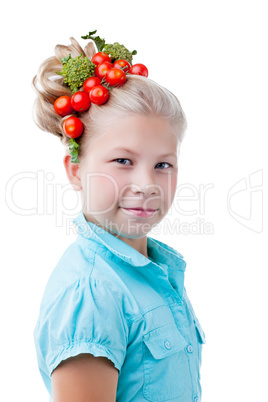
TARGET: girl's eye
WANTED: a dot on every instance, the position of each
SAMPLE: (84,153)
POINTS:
(122,161)
(164,163)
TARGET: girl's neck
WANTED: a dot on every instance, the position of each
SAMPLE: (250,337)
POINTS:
(139,244)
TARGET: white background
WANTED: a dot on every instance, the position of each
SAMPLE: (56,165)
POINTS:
(213,56)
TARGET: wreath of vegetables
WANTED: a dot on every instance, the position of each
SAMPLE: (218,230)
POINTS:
(91,81)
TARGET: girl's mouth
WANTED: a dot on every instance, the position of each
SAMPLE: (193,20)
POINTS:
(140,211)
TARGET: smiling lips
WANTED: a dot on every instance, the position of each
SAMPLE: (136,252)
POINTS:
(141,211)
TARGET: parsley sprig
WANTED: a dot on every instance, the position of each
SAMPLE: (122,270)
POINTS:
(100,43)
(115,50)
(73,147)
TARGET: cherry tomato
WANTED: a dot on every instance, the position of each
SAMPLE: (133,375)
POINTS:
(73,127)
(122,64)
(80,101)
(90,83)
(63,106)
(102,69)
(100,57)
(139,69)
(99,95)
(115,76)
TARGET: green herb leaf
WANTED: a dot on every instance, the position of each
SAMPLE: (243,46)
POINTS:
(66,59)
(99,42)
(89,35)
(73,148)
(134,52)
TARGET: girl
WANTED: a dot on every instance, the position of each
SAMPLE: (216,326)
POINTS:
(115,321)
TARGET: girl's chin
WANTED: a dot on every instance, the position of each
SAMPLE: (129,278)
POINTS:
(131,228)
(127,225)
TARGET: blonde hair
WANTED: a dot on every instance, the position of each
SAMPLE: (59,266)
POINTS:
(139,95)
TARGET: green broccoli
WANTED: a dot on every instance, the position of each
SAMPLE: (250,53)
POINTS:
(118,52)
(115,50)
(76,71)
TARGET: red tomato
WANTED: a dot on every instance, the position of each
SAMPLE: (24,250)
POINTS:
(100,57)
(90,83)
(139,69)
(122,64)
(102,69)
(115,76)
(99,95)
(73,127)
(63,106)
(80,101)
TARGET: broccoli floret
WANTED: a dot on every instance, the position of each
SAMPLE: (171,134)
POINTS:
(76,71)
(118,52)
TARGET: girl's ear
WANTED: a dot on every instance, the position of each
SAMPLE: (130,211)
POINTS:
(73,172)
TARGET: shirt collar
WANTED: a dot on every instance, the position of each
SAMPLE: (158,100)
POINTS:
(158,251)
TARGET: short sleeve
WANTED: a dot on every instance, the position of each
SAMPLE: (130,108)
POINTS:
(85,317)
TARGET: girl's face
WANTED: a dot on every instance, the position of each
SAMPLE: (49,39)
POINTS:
(129,175)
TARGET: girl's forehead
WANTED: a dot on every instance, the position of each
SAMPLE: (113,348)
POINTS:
(136,150)
(135,131)
(138,144)
(138,153)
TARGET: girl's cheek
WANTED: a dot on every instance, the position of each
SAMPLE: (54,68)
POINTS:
(173,188)
(170,183)
(173,185)
(168,191)
(100,192)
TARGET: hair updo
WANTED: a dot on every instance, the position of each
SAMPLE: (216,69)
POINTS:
(139,95)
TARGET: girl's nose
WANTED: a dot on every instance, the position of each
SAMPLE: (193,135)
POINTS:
(148,189)
(145,184)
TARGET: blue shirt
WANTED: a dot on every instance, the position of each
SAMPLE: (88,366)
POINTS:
(107,299)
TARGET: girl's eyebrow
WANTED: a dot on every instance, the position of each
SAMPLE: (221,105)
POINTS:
(135,153)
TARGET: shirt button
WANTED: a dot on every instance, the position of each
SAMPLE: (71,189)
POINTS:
(190,350)
(167,344)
